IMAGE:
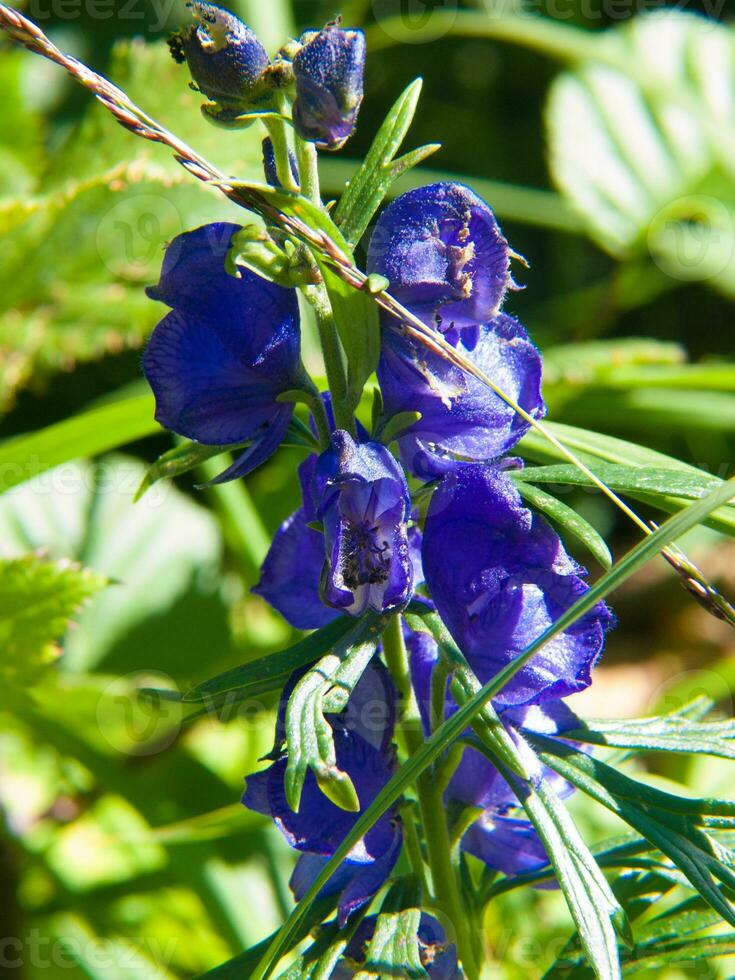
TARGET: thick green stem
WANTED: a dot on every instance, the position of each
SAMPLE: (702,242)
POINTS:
(334,363)
(431,803)
(308,170)
(277,132)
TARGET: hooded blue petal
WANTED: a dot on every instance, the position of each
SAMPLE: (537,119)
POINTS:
(507,844)
(444,254)
(329,72)
(229,347)
(461,416)
(499,576)
(359,493)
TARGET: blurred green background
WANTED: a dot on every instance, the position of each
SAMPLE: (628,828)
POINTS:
(604,136)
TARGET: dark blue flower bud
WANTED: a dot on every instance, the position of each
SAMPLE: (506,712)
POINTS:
(328,71)
(225,58)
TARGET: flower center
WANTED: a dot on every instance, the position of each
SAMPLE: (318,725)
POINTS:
(366,557)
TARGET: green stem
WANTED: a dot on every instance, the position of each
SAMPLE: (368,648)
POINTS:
(431,803)
(277,132)
(308,170)
(334,363)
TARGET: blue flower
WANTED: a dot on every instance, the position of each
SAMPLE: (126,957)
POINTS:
(461,416)
(219,360)
(444,255)
(499,576)
(438,956)
(364,751)
(225,58)
(500,836)
(359,493)
(328,70)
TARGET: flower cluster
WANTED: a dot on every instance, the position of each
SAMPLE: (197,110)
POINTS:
(363,543)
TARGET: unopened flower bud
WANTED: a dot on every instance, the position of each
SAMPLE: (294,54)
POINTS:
(328,71)
(226,59)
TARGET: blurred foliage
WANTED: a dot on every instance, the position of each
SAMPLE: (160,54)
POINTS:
(125,851)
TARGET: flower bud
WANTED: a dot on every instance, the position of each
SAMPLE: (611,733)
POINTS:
(328,71)
(226,59)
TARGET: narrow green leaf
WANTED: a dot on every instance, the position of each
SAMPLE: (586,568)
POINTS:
(270,673)
(668,734)
(453,727)
(397,425)
(568,519)
(367,188)
(92,432)
(691,849)
(326,689)
(177,461)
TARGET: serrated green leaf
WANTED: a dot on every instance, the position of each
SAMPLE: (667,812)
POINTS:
(38,599)
(394,949)
(637,151)
(666,734)
(326,689)
(369,185)
(568,519)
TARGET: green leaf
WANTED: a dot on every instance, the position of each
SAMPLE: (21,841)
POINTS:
(181,459)
(326,689)
(394,949)
(95,431)
(367,188)
(453,727)
(669,823)
(662,734)
(270,673)
(38,598)
(567,518)
(640,139)
(162,551)
(591,447)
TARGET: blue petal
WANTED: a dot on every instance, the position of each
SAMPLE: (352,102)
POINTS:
(444,254)
(263,447)
(499,576)
(505,844)
(289,578)
(461,416)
